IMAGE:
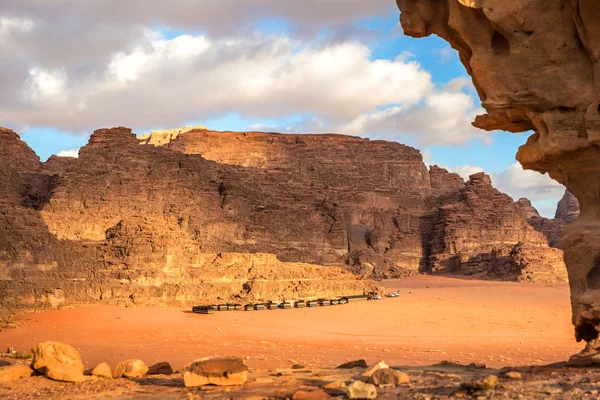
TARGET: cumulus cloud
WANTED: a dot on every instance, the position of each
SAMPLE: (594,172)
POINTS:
(78,65)
(465,171)
(524,183)
(212,16)
(69,153)
(167,82)
(442,118)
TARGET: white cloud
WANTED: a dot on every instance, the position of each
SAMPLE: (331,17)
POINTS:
(167,82)
(465,171)
(524,183)
(444,54)
(443,118)
(68,153)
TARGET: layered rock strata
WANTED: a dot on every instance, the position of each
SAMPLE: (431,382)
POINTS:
(535,67)
(206,216)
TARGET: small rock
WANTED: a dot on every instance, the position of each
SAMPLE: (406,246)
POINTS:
(312,395)
(513,375)
(335,385)
(225,371)
(375,367)
(130,369)
(47,355)
(14,372)
(102,371)
(354,364)
(298,366)
(162,368)
(361,390)
(488,383)
(387,376)
(66,373)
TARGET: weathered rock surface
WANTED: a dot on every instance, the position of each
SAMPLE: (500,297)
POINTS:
(361,390)
(66,373)
(388,376)
(225,371)
(130,369)
(535,67)
(161,368)
(202,216)
(102,370)
(435,382)
(481,231)
(53,355)
(568,208)
(11,373)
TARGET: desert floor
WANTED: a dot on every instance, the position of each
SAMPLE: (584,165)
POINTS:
(435,319)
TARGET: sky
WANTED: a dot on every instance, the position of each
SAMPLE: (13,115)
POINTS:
(298,66)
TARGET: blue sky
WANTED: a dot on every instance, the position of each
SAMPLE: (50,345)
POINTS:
(249,67)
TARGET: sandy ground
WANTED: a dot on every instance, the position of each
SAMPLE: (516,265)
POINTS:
(435,319)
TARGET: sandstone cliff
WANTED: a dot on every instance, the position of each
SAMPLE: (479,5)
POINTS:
(205,215)
(535,65)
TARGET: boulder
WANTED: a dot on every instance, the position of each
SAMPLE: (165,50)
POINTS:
(101,370)
(311,395)
(50,355)
(223,371)
(161,368)
(130,369)
(335,385)
(354,364)
(361,390)
(373,368)
(14,372)
(513,375)
(66,373)
(389,377)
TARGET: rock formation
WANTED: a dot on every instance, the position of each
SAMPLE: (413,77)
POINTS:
(568,208)
(535,67)
(210,216)
(551,228)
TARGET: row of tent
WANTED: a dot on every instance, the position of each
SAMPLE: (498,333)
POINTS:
(272,305)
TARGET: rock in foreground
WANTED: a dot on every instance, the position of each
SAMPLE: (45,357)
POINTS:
(225,371)
(14,372)
(50,355)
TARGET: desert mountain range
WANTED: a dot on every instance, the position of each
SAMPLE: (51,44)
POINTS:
(179,216)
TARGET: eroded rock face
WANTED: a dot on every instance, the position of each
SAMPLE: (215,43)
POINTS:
(568,208)
(270,217)
(535,67)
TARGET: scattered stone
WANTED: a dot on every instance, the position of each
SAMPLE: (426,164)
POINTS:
(484,384)
(66,373)
(283,372)
(373,368)
(49,355)
(312,395)
(162,368)
(225,371)
(130,369)
(102,370)
(354,364)
(361,390)
(513,375)
(335,385)
(389,377)
(298,366)
(14,372)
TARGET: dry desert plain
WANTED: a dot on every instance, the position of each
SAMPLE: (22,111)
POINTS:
(434,319)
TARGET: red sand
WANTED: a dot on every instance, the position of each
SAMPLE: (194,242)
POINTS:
(435,319)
